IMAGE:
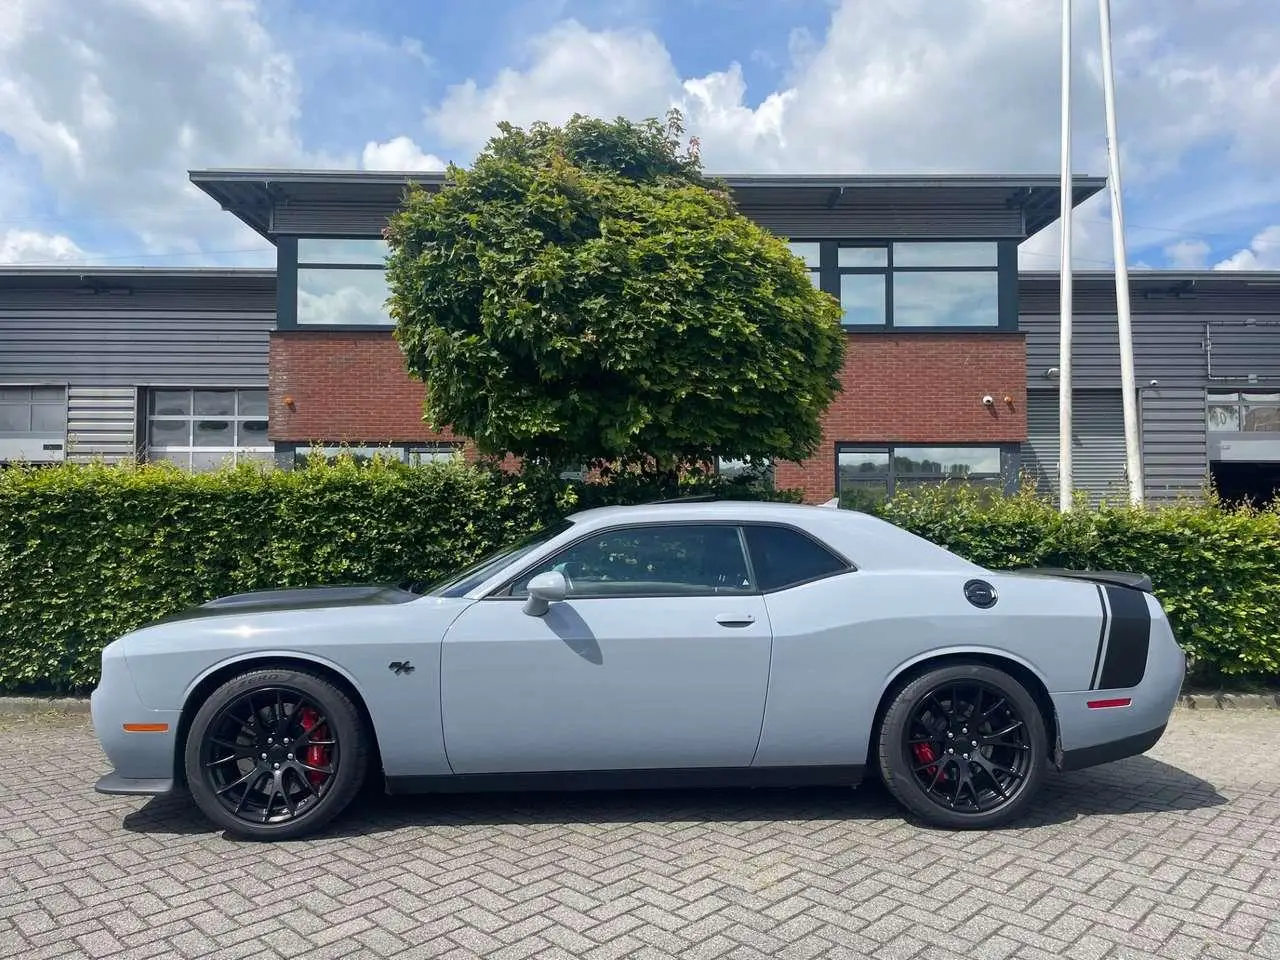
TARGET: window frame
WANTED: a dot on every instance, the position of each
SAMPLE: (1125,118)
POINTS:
(1009,455)
(288,267)
(30,403)
(1005,270)
(147,451)
(502,591)
(1216,397)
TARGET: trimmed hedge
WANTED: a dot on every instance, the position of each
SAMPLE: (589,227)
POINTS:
(88,553)
(1216,569)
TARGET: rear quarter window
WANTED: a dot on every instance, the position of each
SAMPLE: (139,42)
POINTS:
(782,557)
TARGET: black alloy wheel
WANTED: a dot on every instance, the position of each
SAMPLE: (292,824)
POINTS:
(963,746)
(274,754)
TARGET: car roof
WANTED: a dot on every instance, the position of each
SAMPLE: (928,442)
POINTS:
(697,509)
(868,541)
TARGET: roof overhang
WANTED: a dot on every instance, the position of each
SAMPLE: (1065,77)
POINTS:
(1151,284)
(253,195)
(126,280)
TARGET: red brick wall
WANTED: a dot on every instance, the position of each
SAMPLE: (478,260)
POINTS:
(898,388)
(343,387)
(919,388)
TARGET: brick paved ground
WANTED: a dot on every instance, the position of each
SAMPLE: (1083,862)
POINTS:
(1175,854)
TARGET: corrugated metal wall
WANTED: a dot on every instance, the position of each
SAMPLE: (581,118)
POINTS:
(331,218)
(855,221)
(1097,448)
(101,422)
(188,331)
(1169,348)
(1175,462)
(1242,349)
(869,222)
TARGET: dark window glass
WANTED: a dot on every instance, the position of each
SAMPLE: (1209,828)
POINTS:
(783,558)
(692,559)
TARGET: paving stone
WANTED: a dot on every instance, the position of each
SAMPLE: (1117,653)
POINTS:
(1172,854)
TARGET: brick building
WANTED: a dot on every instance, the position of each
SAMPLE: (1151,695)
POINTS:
(198,366)
(926,268)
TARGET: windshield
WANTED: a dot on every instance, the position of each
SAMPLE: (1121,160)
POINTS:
(466,580)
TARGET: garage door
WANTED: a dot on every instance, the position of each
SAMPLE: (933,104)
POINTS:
(1097,443)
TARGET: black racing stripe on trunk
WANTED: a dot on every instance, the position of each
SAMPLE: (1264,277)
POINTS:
(1126,659)
(1102,639)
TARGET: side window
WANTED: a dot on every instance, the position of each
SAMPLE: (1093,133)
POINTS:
(783,557)
(688,559)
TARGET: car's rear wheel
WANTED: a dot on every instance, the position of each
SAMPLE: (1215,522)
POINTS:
(963,746)
(274,754)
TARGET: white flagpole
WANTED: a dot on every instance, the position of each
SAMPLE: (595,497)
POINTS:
(1132,440)
(1064,277)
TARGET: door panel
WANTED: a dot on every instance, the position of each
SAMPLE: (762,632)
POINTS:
(606,684)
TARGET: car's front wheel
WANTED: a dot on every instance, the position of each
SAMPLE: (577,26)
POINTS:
(273,754)
(963,746)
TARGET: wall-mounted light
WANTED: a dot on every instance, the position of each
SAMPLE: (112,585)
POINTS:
(288,402)
(1050,373)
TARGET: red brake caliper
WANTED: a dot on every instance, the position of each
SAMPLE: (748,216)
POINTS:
(316,755)
(924,754)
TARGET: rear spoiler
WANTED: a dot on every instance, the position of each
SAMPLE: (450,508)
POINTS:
(1115,578)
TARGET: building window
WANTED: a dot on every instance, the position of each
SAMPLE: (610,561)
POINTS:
(33,424)
(811,254)
(869,474)
(33,411)
(414,454)
(935,284)
(342,282)
(733,469)
(1247,411)
(204,429)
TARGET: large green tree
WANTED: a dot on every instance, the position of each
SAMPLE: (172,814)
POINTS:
(584,294)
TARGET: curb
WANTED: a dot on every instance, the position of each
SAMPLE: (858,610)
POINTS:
(10,706)
(1230,701)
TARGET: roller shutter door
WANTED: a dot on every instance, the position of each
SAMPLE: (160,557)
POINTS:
(1097,447)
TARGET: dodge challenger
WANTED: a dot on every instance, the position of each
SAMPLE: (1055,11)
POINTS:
(671,644)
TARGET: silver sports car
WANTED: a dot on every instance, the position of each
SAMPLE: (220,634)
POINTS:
(677,643)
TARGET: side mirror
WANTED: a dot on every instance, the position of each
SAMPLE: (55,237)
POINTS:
(544,590)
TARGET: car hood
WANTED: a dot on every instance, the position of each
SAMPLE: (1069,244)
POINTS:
(296,598)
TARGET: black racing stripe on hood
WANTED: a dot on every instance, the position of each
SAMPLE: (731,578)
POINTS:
(301,598)
(1125,662)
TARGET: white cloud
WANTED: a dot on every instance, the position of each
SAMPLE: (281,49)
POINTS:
(398,153)
(116,101)
(1188,254)
(569,68)
(917,86)
(1263,253)
(34,247)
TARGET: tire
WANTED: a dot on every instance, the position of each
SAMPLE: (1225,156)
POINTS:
(263,790)
(931,711)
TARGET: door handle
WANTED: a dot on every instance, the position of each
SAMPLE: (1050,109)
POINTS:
(735,620)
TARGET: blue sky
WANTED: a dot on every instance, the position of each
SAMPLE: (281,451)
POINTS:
(105,106)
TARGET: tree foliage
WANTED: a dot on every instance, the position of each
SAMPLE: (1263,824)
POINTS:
(583,294)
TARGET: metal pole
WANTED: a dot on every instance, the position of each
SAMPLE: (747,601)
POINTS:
(1064,276)
(1132,440)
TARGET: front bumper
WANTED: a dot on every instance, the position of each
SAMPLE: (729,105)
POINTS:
(144,760)
(115,784)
